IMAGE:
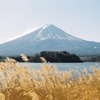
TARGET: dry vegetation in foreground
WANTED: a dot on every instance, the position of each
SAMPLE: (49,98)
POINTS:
(48,83)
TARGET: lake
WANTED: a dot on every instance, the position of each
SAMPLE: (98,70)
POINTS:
(65,66)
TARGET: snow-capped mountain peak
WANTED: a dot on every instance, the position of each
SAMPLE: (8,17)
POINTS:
(52,32)
(48,38)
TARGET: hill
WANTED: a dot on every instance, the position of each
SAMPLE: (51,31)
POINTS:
(55,56)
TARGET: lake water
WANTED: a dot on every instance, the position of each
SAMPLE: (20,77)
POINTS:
(65,66)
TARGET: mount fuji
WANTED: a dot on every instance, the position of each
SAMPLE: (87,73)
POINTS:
(48,38)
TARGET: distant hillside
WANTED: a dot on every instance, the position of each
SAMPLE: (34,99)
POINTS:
(55,56)
(95,58)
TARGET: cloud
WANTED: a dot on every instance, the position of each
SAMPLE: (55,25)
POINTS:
(26,32)
(1,40)
(17,36)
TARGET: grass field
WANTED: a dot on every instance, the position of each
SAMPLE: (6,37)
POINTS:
(48,83)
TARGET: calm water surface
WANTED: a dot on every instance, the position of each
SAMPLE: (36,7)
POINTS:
(65,66)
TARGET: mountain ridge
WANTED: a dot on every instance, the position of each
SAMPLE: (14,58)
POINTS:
(49,38)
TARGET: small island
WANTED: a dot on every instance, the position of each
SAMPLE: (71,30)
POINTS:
(55,56)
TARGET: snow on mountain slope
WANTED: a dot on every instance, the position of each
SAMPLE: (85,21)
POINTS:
(53,32)
(48,38)
(48,32)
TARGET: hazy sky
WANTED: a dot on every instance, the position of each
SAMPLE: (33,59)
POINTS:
(80,18)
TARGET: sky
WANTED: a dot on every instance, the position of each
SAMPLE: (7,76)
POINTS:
(80,18)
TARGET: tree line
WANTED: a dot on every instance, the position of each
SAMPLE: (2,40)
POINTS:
(55,56)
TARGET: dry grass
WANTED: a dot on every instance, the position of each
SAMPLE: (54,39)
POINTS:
(48,83)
